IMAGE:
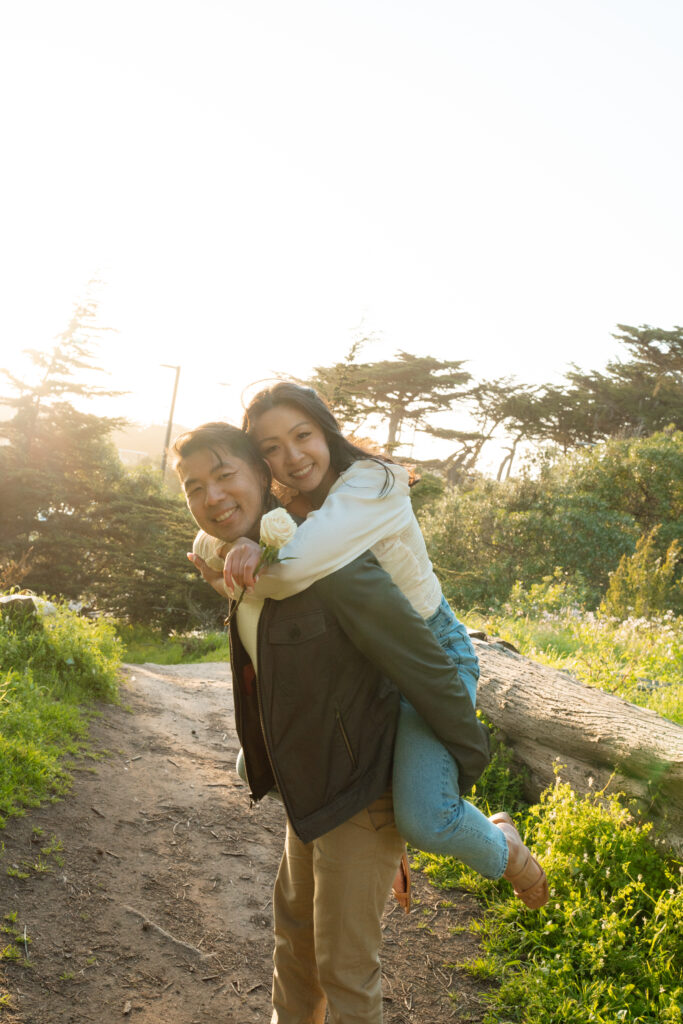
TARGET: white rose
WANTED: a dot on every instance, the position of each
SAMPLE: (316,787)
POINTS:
(209,548)
(277,528)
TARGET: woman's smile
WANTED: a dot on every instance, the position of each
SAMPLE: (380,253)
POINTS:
(296,450)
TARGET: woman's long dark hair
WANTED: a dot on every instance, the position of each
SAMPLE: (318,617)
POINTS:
(343,452)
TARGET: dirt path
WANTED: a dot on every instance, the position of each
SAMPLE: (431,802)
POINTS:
(157,907)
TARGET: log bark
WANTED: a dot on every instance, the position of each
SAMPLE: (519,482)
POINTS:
(600,741)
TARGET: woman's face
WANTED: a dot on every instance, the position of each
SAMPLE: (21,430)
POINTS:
(224,493)
(295,448)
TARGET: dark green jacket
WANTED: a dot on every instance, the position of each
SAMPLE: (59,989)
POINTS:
(320,720)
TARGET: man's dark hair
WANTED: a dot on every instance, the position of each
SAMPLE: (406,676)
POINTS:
(217,437)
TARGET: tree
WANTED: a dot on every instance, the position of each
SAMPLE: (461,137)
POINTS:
(56,460)
(405,389)
(641,395)
(136,563)
(631,398)
(490,405)
(73,522)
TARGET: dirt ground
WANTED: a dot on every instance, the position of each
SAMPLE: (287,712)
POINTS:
(148,896)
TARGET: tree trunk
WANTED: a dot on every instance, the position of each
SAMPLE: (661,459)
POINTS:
(598,740)
(395,421)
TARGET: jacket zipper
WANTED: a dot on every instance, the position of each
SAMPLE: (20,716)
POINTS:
(347,743)
(259,629)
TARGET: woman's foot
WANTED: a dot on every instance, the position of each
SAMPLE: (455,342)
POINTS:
(523,871)
(401,886)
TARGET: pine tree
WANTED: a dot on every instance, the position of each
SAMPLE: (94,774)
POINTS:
(403,390)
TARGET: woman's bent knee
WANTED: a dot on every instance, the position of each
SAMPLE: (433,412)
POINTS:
(429,827)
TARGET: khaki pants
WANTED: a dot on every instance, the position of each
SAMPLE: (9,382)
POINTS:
(328,902)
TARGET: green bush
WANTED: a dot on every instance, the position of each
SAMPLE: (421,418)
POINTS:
(645,584)
(51,666)
(584,512)
(69,655)
(608,947)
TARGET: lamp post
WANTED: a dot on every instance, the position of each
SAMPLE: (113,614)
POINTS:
(170,417)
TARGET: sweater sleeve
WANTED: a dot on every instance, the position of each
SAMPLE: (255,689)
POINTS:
(382,623)
(354,516)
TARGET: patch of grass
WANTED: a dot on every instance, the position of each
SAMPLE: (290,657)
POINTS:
(15,872)
(10,952)
(608,947)
(141,644)
(53,667)
(638,659)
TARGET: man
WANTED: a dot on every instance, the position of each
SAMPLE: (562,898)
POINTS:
(315,682)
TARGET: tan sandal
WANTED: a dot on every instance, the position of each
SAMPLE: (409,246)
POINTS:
(402,884)
(527,877)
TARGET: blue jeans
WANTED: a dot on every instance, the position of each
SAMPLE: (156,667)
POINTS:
(429,811)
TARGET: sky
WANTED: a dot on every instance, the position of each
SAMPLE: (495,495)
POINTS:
(255,185)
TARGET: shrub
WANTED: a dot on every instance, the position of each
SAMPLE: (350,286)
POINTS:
(584,512)
(644,584)
(49,666)
(608,947)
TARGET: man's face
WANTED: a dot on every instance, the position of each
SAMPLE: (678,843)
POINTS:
(224,493)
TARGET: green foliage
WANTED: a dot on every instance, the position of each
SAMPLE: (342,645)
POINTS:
(141,644)
(69,656)
(631,397)
(608,946)
(49,667)
(584,513)
(558,592)
(426,491)
(634,396)
(138,570)
(643,584)
(639,477)
(484,539)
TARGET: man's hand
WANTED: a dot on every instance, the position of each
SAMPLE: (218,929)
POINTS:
(212,576)
(241,563)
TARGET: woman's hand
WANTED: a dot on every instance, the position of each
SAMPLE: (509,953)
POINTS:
(241,564)
(212,576)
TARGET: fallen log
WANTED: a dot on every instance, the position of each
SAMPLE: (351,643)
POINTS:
(601,741)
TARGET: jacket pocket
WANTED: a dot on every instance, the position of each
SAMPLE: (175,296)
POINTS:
(297,630)
(345,737)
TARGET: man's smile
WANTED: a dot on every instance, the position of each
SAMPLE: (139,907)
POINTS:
(225,515)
